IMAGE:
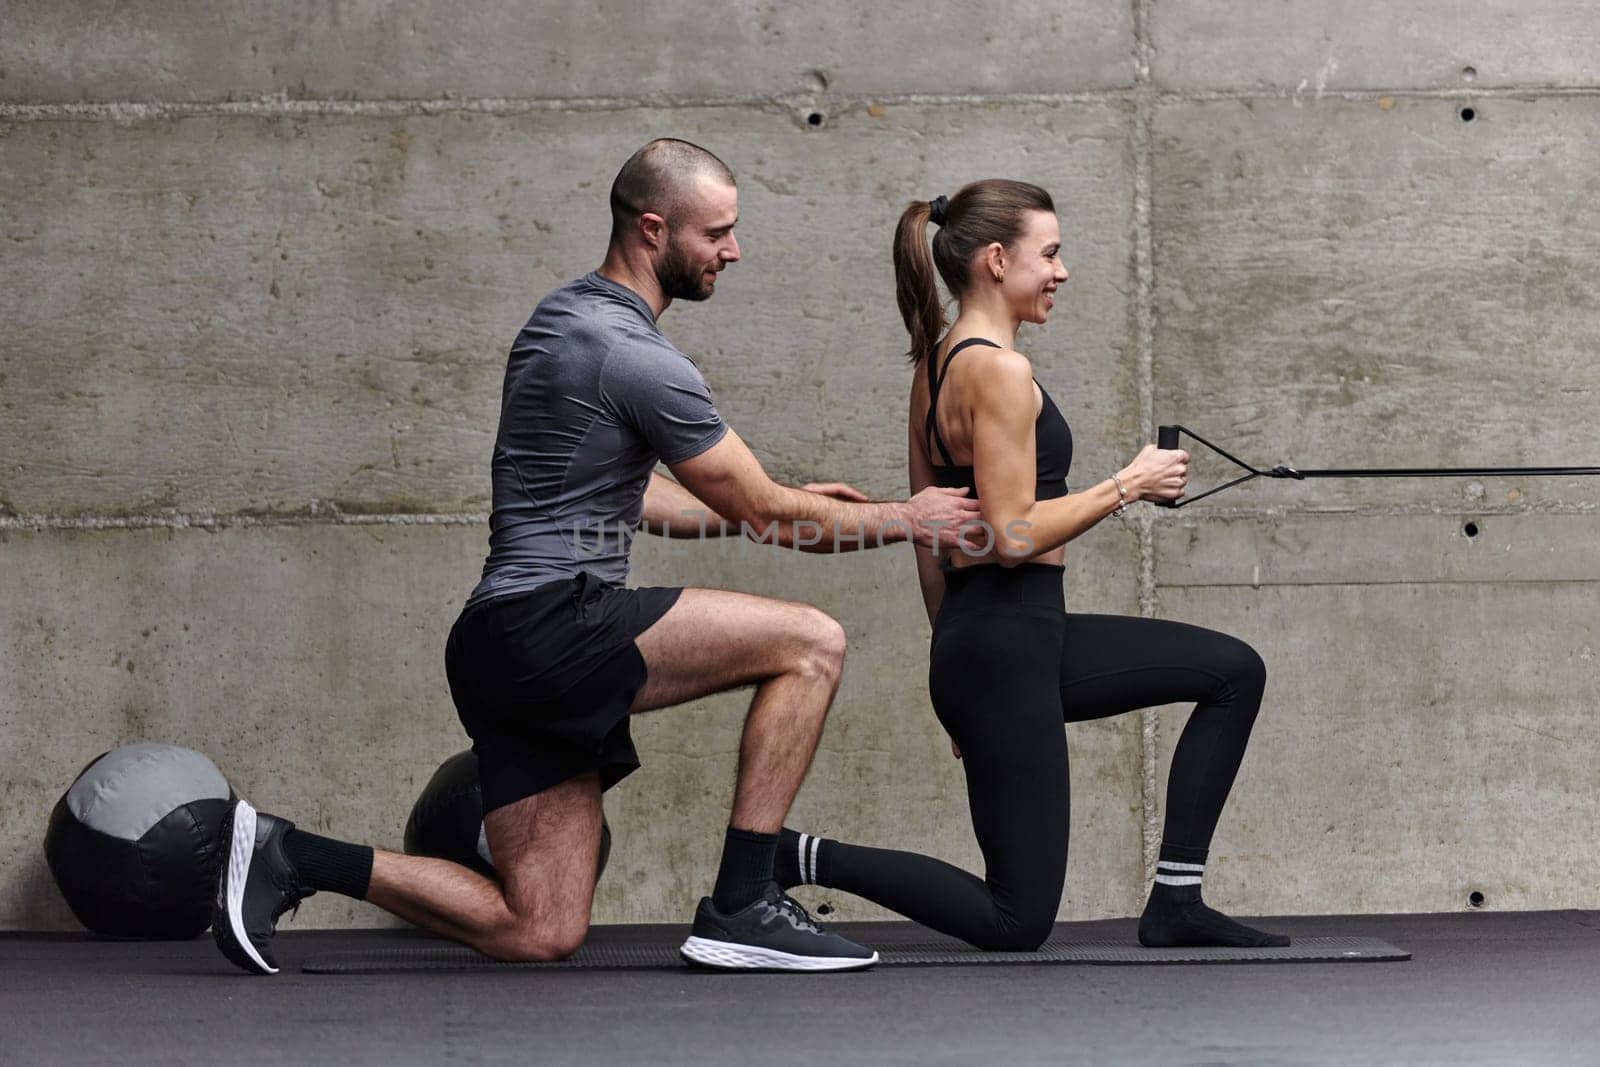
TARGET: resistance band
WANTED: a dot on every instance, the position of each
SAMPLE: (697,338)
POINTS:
(1167,437)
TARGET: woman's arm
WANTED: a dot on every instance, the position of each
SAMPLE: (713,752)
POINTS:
(1003,448)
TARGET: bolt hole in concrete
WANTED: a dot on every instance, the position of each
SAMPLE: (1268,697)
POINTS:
(1474,899)
(815,118)
(1471,530)
(1468,114)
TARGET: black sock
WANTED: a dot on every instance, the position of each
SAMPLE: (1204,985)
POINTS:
(802,859)
(746,869)
(324,863)
(1176,917)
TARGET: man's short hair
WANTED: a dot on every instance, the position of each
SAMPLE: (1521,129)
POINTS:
(656,179)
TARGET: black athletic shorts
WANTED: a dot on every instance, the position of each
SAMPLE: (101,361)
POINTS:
(543,681)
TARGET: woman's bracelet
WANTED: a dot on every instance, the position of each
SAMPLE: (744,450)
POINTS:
(1122,496)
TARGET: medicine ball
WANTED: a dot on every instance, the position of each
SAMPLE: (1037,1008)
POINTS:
(447,820)
(135,840)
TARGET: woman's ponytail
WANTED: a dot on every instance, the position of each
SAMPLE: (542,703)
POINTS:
(915,288)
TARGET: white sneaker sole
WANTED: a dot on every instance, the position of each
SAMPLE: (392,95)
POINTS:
(240,852)
(730,956)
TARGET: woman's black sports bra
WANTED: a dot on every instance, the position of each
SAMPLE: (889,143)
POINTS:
(1052,437)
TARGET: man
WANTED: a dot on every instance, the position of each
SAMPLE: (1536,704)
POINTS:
(552,653)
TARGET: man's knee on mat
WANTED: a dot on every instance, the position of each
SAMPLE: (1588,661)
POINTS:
(524,941)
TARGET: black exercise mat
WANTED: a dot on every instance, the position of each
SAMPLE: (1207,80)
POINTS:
(660,955)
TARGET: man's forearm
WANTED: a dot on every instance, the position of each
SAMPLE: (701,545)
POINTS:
(670,510)
(811,522)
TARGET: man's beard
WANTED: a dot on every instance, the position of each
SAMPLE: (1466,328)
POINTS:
(682,279)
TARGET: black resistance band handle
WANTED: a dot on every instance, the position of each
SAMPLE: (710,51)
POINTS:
(1166,439)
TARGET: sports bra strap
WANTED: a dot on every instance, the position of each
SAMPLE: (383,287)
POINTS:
(935,383)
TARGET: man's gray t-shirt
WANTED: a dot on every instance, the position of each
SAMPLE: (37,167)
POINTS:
(594,397)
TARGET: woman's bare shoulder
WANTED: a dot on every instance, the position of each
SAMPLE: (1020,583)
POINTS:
(1001,373)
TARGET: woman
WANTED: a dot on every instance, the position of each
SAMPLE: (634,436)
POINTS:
(1008,665)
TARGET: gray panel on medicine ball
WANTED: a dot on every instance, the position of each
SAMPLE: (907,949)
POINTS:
(129,790)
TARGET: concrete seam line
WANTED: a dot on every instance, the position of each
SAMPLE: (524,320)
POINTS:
(203,520)
(1368,95)
(277,105)
(232,522)
(1144,317)
(1378,583)
(274,105)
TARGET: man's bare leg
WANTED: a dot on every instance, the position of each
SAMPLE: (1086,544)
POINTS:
(545,849)
(793,654)
(712,641)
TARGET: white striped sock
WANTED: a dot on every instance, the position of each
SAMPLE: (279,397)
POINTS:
(1170,872)
(808,858)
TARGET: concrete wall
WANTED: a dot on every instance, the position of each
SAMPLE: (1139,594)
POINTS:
(260,273)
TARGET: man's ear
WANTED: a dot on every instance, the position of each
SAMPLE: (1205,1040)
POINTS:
(653,228)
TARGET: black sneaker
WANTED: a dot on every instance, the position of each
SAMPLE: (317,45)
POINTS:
(256,885)
(772,934)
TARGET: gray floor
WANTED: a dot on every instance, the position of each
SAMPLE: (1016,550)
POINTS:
(1483,988)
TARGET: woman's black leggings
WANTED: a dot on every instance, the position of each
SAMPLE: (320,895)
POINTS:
(1008,666)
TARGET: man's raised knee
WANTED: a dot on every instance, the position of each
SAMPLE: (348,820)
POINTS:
(822,651)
